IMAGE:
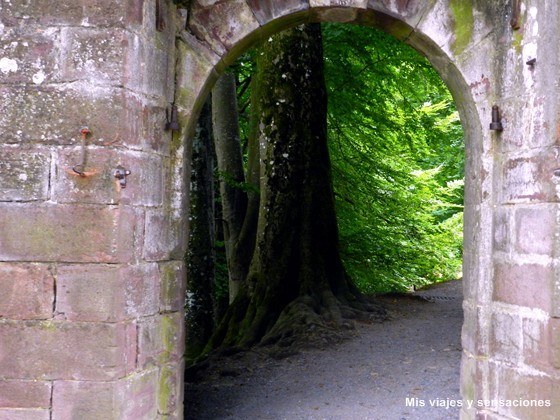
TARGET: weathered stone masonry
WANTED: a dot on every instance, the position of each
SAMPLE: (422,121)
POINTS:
(91,274)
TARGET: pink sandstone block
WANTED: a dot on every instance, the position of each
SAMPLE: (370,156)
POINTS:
(173,284)
(27,291)
(68,233)
(66,350)
(527,285)
(84,400)
(171,388)
(222,24)
(160,339)
(510,383)
(75,13)
(536,230)
(537,343)
(26,414)
(25,394)
(95,292)
(137,395)
(505,337)
(24,175)
(133,397)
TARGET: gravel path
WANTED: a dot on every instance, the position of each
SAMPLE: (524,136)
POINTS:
(415,356)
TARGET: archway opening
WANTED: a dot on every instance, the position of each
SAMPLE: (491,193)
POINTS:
(458,82)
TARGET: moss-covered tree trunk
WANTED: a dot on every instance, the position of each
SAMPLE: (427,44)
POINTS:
(200,257)
(296,282)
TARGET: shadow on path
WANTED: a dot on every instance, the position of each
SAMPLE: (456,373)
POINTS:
(415,356)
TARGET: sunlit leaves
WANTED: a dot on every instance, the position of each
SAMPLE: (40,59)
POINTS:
(397,155)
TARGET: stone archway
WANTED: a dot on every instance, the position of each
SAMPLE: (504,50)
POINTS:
(93,304)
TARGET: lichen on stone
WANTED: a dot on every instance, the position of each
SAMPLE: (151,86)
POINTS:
(463,16)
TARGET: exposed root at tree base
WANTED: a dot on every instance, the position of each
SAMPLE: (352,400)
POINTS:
(303,325)
(299,327)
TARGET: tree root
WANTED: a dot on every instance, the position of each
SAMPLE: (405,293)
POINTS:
(305,324)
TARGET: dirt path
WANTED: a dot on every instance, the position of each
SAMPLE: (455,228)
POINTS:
(415,355)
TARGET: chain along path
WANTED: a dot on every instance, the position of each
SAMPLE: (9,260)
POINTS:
(404,368)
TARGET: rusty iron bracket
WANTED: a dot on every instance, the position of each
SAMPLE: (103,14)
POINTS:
(160,19)
(121,174)
(515,14)
(496,124)
(173,122)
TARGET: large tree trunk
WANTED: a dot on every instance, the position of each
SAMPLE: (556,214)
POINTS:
(296,282)
(200,255)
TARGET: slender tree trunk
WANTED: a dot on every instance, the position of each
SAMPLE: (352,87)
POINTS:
(238,208)
(200,256)
(296,278)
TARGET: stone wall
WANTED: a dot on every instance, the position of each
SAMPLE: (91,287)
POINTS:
(91,323)
(90,320)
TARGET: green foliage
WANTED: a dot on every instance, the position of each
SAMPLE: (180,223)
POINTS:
(243,186)
(397,155)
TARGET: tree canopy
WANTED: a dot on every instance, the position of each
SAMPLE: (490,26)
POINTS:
(397,153)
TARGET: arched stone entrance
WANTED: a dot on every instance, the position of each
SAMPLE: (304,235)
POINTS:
(91,323)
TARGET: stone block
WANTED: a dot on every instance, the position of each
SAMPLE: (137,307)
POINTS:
(149,65)
(503,229)
(24,414)
(455,26)
(475,330)
(537,343)
(525,120)
(527,285)
(98,186)
(146,126)
(25,394)
(107,293)
(160,339)
(68,233)
(24,175)
(530,178)
(173,283)
(55,114)
(163,236)
(94,54)
(84,400)
(515,385)
(27,291)
(133,397)
(50,350)
(137,396)
(468,377)
(195,78)
(28,55)
(143,283)
(144,184)
(535,229)
(223,25)
(269,10)
(472,379)
(170,388)
(104,13)
(506,337)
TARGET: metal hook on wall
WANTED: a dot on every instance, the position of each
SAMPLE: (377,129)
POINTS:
(80,167)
